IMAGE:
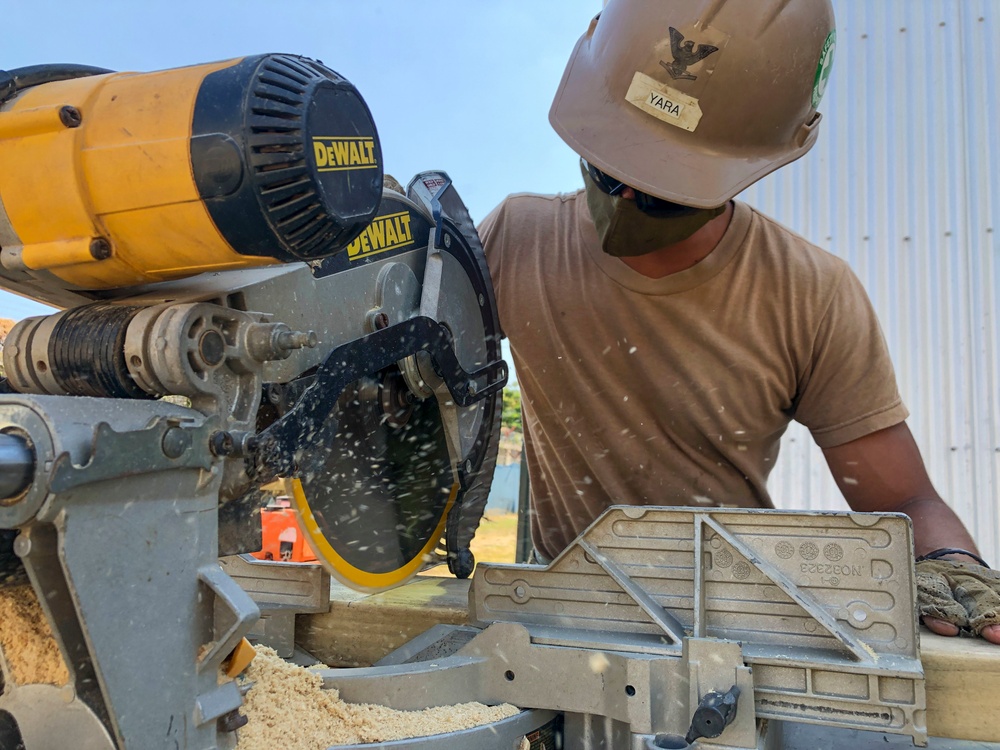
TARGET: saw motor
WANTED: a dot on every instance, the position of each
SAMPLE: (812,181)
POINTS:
(116,179)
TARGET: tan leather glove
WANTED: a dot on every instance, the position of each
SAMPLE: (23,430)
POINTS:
(962,593)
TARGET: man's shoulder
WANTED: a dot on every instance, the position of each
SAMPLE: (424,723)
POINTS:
(520,217)
(790,248)
(538,203)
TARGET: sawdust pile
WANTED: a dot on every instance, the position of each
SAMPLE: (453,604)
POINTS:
(26,640)
(287,708)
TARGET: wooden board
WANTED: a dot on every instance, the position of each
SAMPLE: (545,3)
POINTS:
(962,674)
(360,629)
(963,685)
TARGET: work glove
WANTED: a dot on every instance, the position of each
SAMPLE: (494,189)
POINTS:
(963,593)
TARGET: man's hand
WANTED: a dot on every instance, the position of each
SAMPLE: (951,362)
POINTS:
(883,472)
(955,597)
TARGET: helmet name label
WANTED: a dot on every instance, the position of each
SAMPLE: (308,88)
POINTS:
(388,232)
(663,102)
(335,153)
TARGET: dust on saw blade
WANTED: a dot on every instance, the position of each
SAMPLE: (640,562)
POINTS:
(373,503)
(288,707)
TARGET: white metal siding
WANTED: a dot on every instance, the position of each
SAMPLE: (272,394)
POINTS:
(904,184)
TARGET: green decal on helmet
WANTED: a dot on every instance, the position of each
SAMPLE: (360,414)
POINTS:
(824,67)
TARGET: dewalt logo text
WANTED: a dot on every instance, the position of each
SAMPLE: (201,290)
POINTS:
(387,232)
(335,154)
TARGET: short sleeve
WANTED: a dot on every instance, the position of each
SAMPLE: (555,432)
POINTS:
(848,390)
(492,235)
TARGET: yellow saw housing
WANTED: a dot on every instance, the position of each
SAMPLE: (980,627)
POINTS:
(119,179)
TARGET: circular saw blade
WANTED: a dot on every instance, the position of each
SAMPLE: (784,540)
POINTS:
(374,505)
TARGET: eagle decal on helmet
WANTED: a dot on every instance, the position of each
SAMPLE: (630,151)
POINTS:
(684,55)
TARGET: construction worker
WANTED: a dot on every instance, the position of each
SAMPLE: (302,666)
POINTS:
(664,335)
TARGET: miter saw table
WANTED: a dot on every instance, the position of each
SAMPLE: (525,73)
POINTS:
(780,629)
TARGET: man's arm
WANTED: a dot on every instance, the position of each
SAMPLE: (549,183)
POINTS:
(883,472)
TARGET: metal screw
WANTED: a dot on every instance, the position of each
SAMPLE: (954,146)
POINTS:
(473,389)
(221,443)
(482,300)
(100,248)
(447,240)
(70,117)
(175,442)
(22,545)
(381,321)
(212,347)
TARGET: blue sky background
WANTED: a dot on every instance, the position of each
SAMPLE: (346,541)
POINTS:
(457,85)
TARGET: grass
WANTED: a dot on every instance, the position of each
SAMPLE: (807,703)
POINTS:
(496,541)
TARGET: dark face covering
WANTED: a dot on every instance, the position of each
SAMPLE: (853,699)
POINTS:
(625,230)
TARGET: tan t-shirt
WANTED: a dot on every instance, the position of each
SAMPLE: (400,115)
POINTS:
(675,391)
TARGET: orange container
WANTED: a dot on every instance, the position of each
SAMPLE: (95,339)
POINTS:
(283,540)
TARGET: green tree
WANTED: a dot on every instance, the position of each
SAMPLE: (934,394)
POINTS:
(511,415)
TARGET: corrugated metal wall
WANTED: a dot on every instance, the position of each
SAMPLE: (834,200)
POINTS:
(905,184)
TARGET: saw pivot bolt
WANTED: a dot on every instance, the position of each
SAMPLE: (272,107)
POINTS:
(236,444)
(267,342)
(290,340)
(715,712)
(221,443)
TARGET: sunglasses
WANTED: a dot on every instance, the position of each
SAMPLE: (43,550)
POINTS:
(648,204)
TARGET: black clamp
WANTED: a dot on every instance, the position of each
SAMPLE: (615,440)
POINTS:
(715,712)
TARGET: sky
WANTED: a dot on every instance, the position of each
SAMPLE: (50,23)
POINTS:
(458,85)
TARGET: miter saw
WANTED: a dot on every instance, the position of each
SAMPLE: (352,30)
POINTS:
(243,302)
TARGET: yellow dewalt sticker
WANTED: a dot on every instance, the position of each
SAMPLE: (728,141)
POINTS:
(387,232)
(335,153)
